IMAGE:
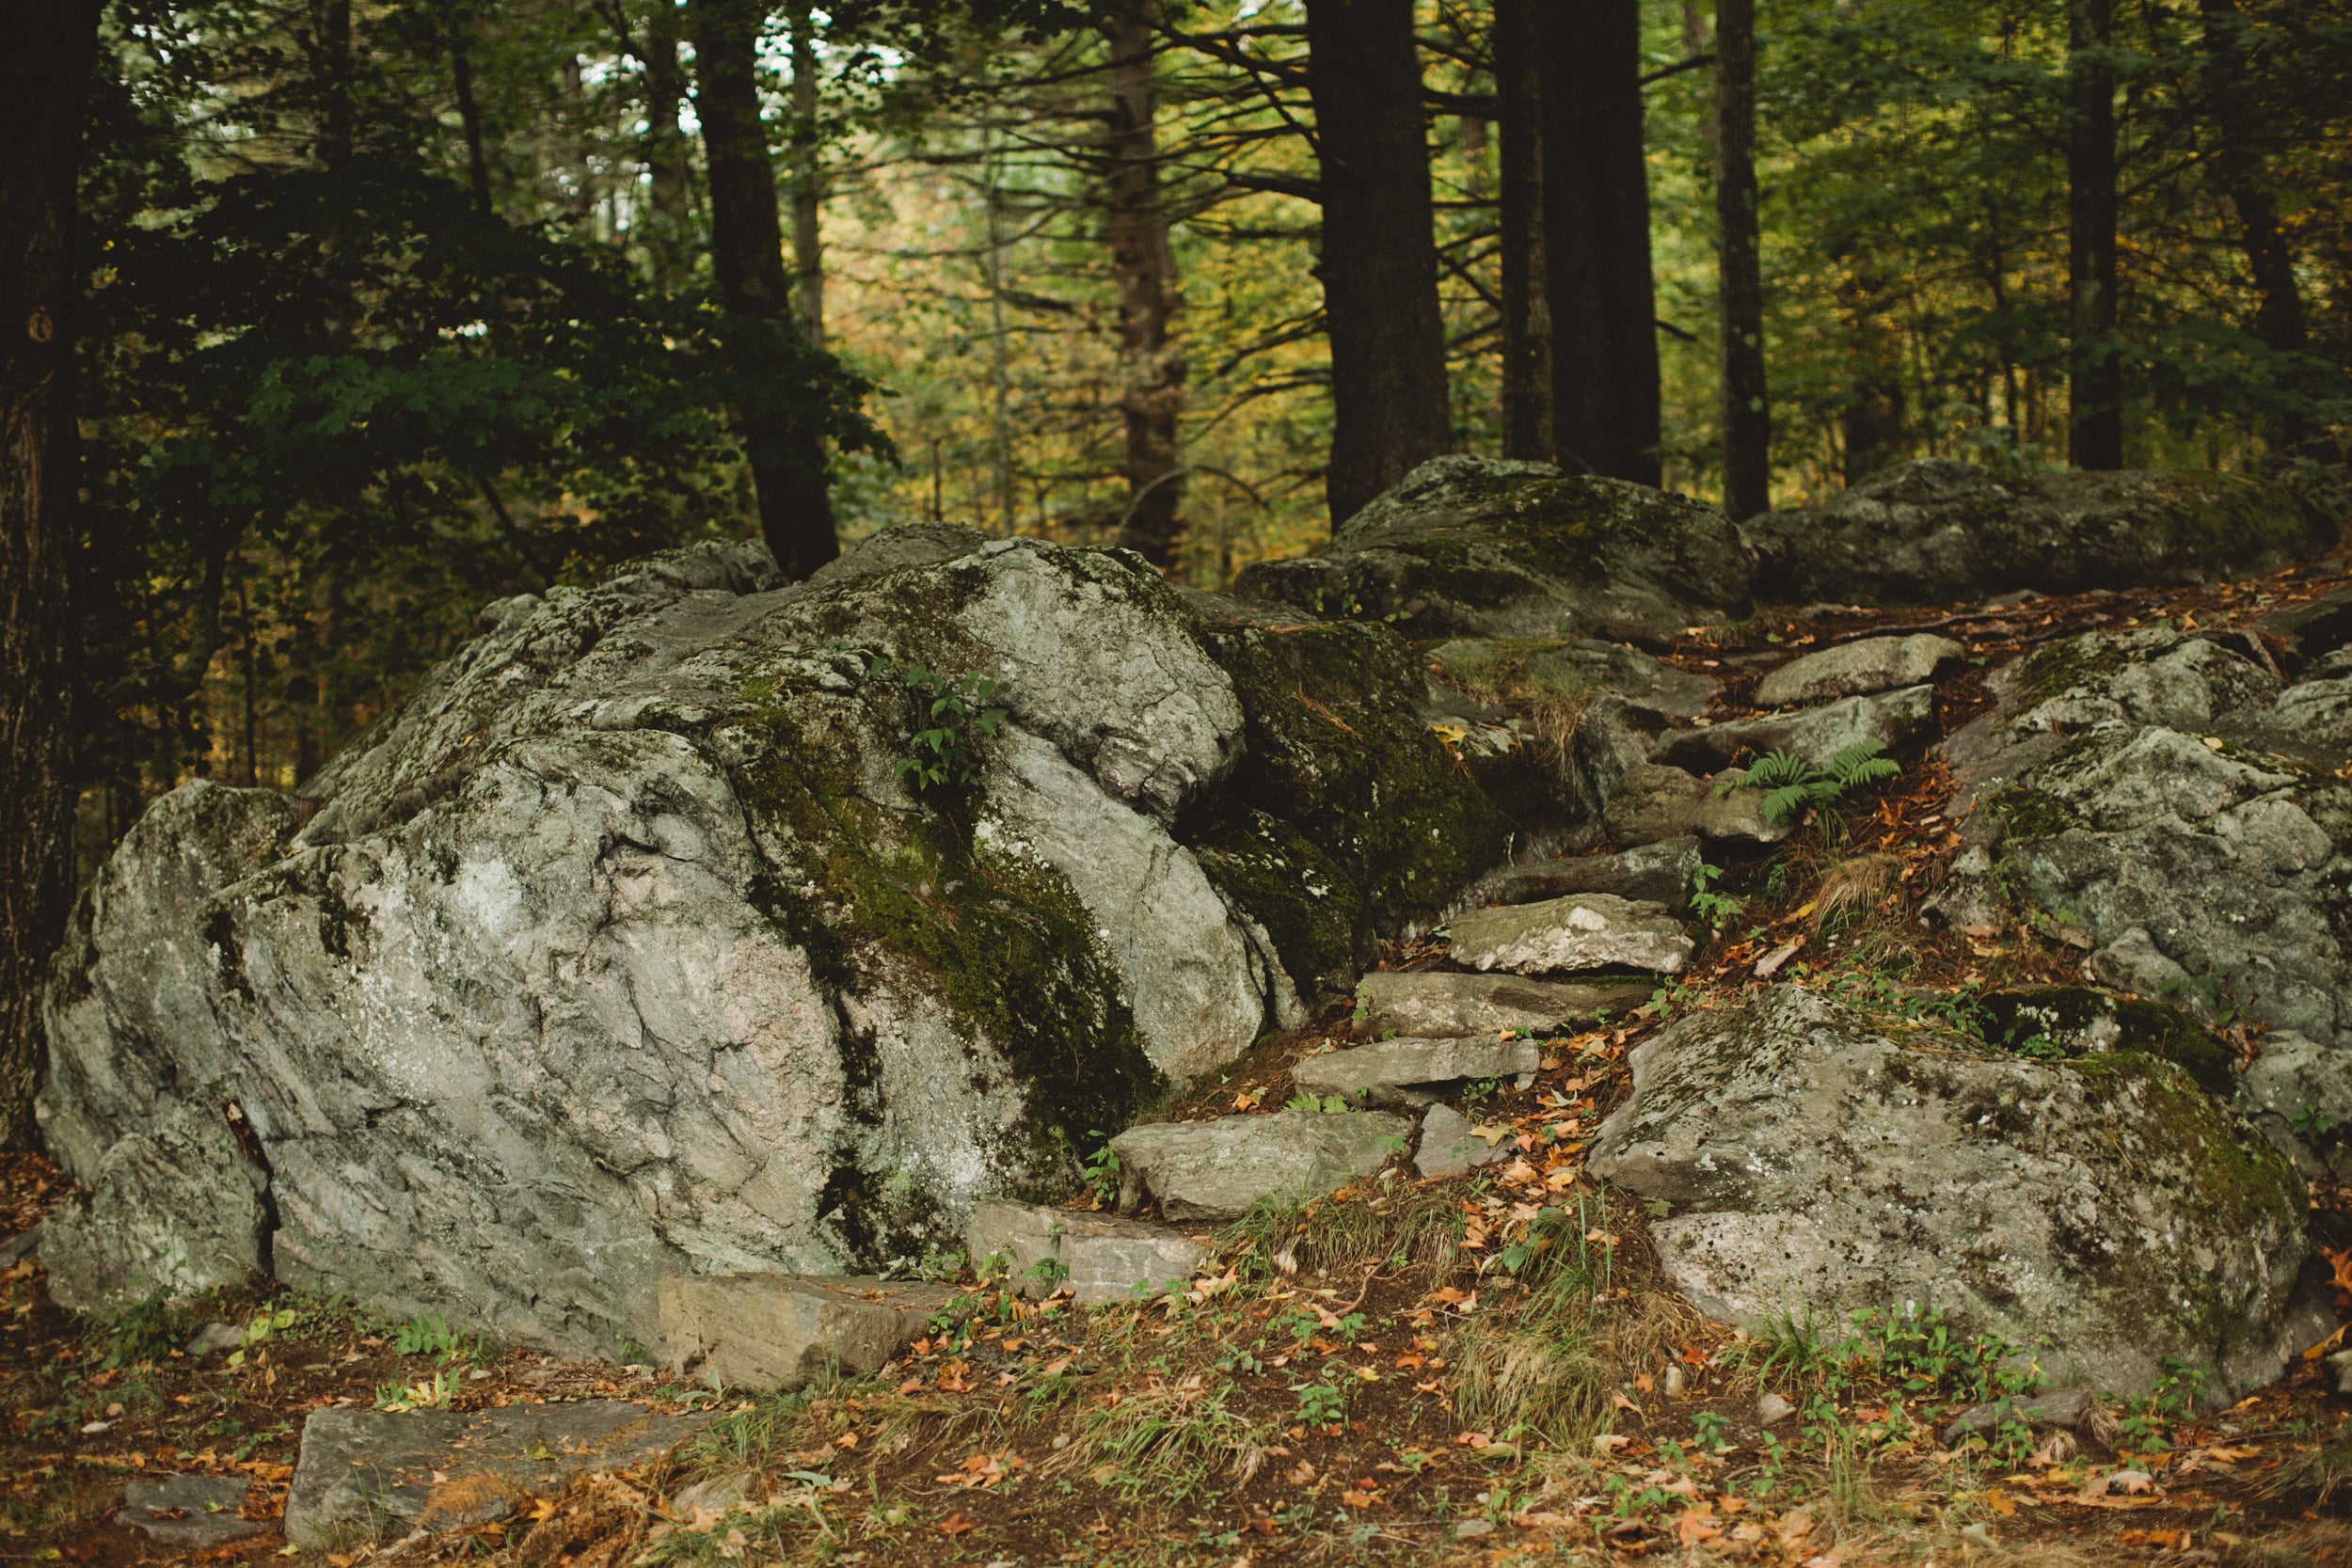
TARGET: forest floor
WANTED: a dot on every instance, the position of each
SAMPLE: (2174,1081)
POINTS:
(1488,1369)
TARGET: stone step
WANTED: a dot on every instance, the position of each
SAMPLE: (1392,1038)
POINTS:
(1410,1073)
(1449,1148)
(1098,1258)
(191,1513)
(1858,669)
(1218,1170)
(765,1332)
(1816,734)
(1660,873)
(1650,803)
(1435,1004)
(366,1475)
(1587,931)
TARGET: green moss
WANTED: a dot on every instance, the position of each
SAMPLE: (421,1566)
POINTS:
(2033,813)
(2054,670)
(1311,909)
(2167,1033)
(2068,1020)
(1335,748)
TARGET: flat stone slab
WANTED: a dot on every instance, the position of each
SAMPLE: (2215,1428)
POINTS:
(1651,802)
(1412,1073)
(765,1332)
(1218,1170)
(1891,719)
(1858,669)
(1435,1004)
(1097,1256)
(367,1474)
(1590,930)
(1660,873)
(192,1513)
(1576,669)
(1449,1148)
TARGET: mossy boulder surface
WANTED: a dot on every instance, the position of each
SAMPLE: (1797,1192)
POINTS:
(627,949)
(1470,546)
(2104,1212)
(1940,530)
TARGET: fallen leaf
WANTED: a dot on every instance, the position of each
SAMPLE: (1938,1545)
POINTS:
(956,1524)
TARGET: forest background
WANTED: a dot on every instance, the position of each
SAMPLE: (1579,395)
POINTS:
(376,310)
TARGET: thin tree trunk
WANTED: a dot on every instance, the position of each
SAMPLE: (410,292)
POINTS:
(2235,166)
(1379,254)
(1520,195)
(786,453)
(1871,424)
(43,83)
(2095,371)
(469,120)
(1747,411)
(330,21)
(808,182)
(1605,404)
(672,217)
(1152,374)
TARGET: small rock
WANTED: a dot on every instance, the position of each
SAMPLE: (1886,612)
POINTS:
(1098,1258)
(365,1474)
(1410,1072)
(2340,1365)
(1857,670)
(1432,1005)
(1448,1147)
(213,1338)
(1660,873)
(16,1246)
(717,1494)
(1216,1170)
(1816,734)
(1591,930)
(1977,1535)
(190,1512)
(2061,1407)
(1470,1530)
(770,1331)
(1771,1410)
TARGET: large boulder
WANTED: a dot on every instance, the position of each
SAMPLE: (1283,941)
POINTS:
(627,949)
(1939,530)
(1470,546)
(2103,1213)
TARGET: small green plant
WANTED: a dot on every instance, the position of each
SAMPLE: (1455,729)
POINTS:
(433,1393)
(2314,1125)
(1481,1090)
(958,708)
(1319,1405)
(1709,1427)
(1105,1175)
(1329,1104)
(1790,784)
(142,1330)
(1719,909)
(426,1336)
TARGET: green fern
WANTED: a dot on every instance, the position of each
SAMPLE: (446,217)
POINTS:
(1791,784)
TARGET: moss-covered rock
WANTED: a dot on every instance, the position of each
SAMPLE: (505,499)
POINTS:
(1464,545)
(1312,909)
(1940,530)
(2060,1022)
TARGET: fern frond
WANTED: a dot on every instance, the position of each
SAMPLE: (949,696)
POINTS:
(1785,802)
(1774,769)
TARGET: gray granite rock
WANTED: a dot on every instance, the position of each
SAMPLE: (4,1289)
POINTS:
(1218,1170)
(1434,1003)
(1660,873)
(1097,1256)
(176,1207)
(1858,669)
(191,1513)
(768,1331)
(1448,1147)
(1653,803)
(2105,1206)
(364,1475)
(1892,720)
(1574,671)
(1589,930)
(1407,1074)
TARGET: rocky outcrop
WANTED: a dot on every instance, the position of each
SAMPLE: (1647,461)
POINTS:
(1468,546)
(1858,669)
(1941,532)
(2104,1212)
(1096,1257)
(1221,1169)
(769,1331)
(628,950)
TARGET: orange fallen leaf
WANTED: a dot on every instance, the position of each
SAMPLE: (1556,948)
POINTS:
(956,1524)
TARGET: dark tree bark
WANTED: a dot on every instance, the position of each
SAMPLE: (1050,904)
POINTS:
(787,454)
(1604,335)
(672,224)
(1747,408)
(2096,374)
(1519,194)
(330,23)
(470,121)
(2235,166)
(1379,260)
(43,79)
(1872,424)
(808,184)
(1152,372)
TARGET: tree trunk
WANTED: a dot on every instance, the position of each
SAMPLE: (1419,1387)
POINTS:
(2096,374)
(808,184)
(1379,256)
(786,453)
(470,121)
(2235,166)
(1151,375)
(1747,411)
(330,21)
(43,79)
(1605,403)
(1519,194)
(671,216)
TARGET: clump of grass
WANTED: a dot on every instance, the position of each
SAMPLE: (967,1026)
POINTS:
(1542,1366)
(1415,1226)
(2319,1474)
(1170,1440)
(1853,889)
